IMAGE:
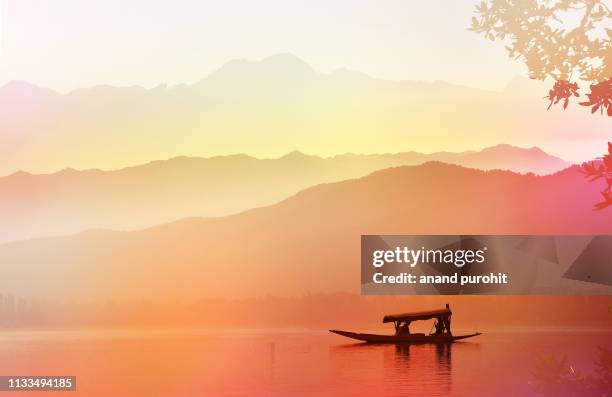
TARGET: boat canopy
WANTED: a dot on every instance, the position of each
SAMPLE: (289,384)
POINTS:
(426,315)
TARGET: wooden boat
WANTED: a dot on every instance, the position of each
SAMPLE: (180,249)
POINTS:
(412,338)
(402,334)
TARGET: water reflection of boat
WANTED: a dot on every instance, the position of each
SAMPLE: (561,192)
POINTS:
(402,334)
(443,364)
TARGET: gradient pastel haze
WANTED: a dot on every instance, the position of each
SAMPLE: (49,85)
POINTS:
(70,44)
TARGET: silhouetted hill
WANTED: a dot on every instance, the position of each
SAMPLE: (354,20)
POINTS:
(506,157)
(70,201)
(308,243)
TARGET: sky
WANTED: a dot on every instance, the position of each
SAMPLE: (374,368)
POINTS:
(69,44)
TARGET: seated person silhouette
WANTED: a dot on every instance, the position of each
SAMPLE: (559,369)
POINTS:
(404,328)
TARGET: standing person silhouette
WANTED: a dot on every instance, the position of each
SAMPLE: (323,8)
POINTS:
(447,321)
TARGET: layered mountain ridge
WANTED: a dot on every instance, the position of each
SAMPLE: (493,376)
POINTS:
(69,201)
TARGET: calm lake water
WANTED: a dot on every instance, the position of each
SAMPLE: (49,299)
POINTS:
(285,363)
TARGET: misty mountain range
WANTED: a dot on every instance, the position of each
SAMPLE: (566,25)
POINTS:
(234,226)
(270,107)
(71,201)
(307,243)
